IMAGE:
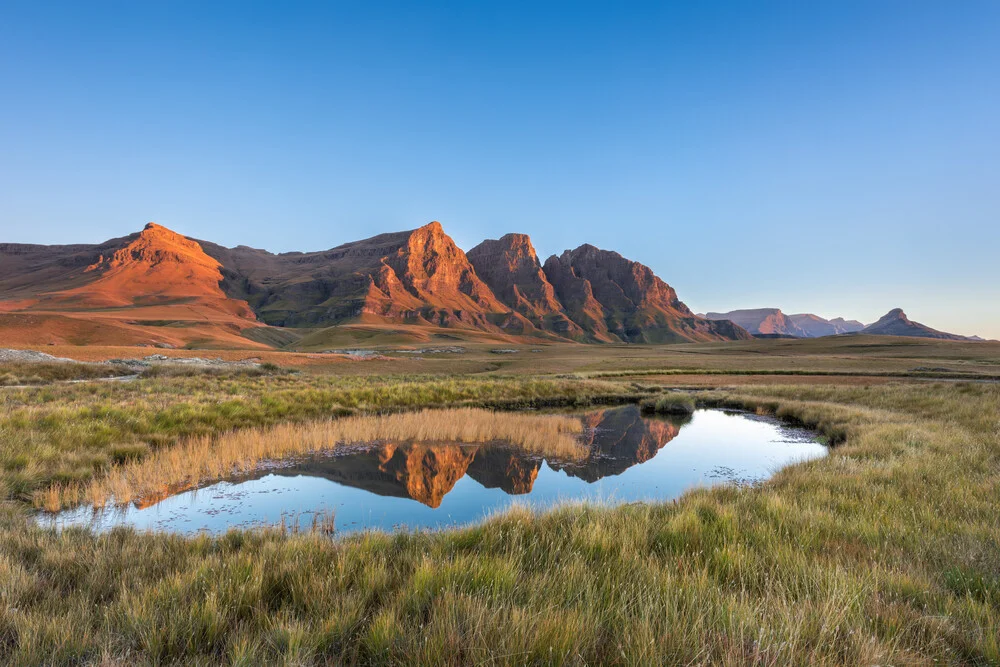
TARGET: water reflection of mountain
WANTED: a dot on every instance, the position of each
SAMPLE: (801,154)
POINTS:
(618,439)
(423,472)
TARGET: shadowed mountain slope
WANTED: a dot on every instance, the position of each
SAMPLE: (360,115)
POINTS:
(416,277)
(615,299)
(510,267)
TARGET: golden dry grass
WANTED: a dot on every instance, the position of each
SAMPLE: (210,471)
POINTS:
(885,552)
(198,460)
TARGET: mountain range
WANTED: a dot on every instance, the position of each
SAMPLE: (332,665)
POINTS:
(158,287)
(772,323)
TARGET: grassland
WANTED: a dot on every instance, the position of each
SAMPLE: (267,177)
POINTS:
(885,552)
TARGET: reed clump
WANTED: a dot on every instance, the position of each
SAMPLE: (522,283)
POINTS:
(670,404)
(202,459)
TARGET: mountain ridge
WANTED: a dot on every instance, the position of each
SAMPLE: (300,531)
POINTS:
(160,287)
(772,323)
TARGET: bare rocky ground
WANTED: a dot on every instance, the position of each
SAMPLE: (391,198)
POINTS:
(149,361)
(30,356)
(200,362)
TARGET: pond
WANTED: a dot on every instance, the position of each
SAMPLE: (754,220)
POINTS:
(426,485)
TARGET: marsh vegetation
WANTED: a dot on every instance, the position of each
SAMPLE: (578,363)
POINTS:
(885,552)
(195,461)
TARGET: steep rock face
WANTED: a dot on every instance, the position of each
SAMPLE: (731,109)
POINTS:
(766,321)
(616,299)
(896,323)
(815,326)
(510,267)
(419,276)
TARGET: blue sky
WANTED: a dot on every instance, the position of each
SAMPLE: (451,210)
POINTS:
(835,157)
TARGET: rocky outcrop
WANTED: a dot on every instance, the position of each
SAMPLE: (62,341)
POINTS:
(615,299)
(510,267)
(896,323)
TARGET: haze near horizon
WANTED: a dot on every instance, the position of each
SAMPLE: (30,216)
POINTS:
(834,158)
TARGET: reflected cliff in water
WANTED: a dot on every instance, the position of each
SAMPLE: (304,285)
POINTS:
(617,439)
(385,485)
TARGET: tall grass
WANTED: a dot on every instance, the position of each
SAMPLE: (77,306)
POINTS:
(670,404)
(202,459)
(885,552)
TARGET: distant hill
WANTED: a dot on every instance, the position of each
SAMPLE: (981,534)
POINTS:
(814,326)
(157,287)
(772,323)
(896,323)
(769,321)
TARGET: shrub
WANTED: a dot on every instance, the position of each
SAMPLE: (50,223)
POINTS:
(670,404)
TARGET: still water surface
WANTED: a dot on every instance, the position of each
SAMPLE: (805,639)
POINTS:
(435,485)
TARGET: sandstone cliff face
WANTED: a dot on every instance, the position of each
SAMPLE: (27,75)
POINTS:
(616,299)
(417,277)
(510,267)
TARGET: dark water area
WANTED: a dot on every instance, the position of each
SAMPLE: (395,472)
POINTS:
(429,485)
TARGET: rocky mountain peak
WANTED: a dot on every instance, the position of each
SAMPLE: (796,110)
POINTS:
(509,266)
(156,245)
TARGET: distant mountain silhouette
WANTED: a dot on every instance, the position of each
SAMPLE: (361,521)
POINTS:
(815,326)
(773,323)
(896,323)
(770,321)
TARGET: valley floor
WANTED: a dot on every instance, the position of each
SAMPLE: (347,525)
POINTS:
(885,552)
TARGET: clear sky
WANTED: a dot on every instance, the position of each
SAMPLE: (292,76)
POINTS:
(831,156)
